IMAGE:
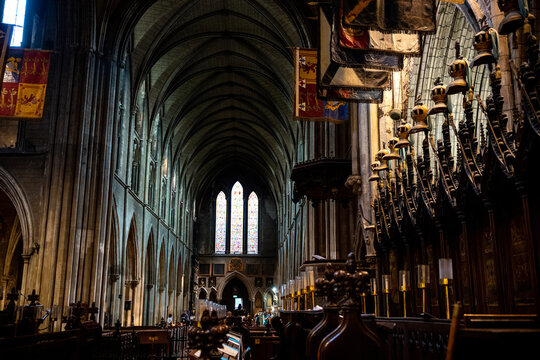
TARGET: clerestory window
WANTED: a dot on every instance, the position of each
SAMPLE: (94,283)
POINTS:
(14,12)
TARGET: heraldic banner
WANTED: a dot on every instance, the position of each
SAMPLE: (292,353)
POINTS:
(307,106)
(363,39)
(390,15)
(24,83)
(333,74)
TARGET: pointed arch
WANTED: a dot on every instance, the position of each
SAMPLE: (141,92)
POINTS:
(150,272)
(114,266)
(203,294)
(213,295)
(221,223)
(15,238)
(172,272)
(259,303)
(19,200)
(268,298)
(162,266)
(242,277)
(150,280)
(131,270)
(237,218)
(114,243)
(253,224)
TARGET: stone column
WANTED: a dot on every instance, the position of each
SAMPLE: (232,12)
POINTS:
(113,278)
(5,282)
(26,260)
(133,284)
(171,304)
(161,304)
(148,311)
(178,303)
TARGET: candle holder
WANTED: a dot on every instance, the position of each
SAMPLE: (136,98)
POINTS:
(286,296)
(291,289)
(386,291)
(404,287)
(311,283)
(290,297)
(423,282)
(363,296)
(375,294)
(298,288)
(55,314)
(305,289)
(445,278)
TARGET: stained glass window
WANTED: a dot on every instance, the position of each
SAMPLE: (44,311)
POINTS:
(237,218)
(221,223)
(253,224)
(237,222)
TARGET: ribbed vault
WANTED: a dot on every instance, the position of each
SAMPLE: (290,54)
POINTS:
(220,74)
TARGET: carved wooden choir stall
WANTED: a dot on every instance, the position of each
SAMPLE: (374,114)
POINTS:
(456,236)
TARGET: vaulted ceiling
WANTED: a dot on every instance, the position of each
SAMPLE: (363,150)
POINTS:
(222,70)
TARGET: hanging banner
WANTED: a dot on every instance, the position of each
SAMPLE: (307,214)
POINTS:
(334,75)
(356,38)
(24,83)
(351,95)
(348,58)
(406,16)
(307,106)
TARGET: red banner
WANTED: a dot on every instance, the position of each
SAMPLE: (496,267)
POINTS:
(307,105)
(24,83)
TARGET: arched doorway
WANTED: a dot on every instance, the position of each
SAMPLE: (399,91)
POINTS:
(150,282)
(269,301)
(11,248)
(213,295)
(202,294)
(234,293)
(258,302)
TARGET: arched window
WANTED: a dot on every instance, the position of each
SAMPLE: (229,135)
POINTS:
(237,218)
(238,222)
(253,224)
(221,223)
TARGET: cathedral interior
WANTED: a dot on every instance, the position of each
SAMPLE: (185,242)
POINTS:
(325,179)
